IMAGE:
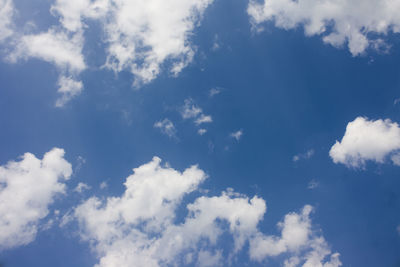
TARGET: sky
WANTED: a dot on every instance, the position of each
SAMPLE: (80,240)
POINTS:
(199,133)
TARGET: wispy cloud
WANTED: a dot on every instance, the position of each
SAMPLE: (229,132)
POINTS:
(166,127)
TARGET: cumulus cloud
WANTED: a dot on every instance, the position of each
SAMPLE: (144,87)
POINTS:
(367,140)
(60,48)
(360,24)
(166,127)
(141,35)
(298,238)
(141,228)
(27,188)
(6,14)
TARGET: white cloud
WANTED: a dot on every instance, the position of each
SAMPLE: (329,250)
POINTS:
(201,131)
(214,91)
(60,48)
(6,14)
(27,188)
(140,227)
(296,238)
(359,23)
(367,140)
(103,185)
(307,155)
(203,119)
(141,35)
(192,111)
(69,88)
(81,187)
(167,127)
(237,135)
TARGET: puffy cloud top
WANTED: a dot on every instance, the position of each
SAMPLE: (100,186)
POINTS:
(338,21)
(27,188)
(367,140)
(142,227)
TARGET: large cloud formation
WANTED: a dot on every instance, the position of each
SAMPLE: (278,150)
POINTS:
(142,37)
(27,188)
(367,140)
(147,225)
(360,24)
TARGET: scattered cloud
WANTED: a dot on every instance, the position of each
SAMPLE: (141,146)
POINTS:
(214,91)
(367,140)
(6,15)
(141,35)
(103,185)
(191,111)
(216,43)
(139,228)
(69,88)
(27,188)
(306,155)
(81,187)
(237,135)
(60,48)
(166,127)
(201,131)
(313,184)
(203,119)
(359,24)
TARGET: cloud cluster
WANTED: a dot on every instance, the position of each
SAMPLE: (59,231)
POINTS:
(166,127)
(367,140)
(139,36)
(27,188)
(360,24)
(191,111)
(143,227)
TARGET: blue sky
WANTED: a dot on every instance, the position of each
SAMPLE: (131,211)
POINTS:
(199,133)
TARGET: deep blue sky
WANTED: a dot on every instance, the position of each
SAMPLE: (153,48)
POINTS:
(288,93)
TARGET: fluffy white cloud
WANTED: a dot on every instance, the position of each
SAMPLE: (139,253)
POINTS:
(60,48)
(27,188)
(141,35)
(6,14)
(339,22)
(297,238)
(167,127)
(143,227)
(69,88)
(367,140)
